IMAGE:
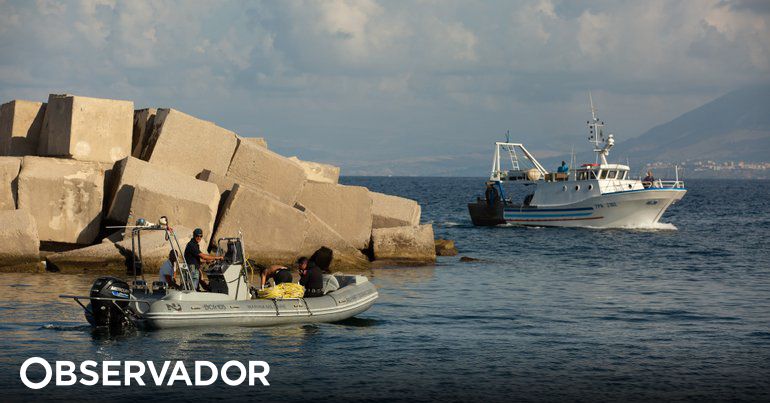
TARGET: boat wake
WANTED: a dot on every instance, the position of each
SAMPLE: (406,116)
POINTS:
(658,226)
(60,328)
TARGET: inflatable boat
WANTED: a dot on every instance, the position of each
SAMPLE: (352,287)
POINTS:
(116,304)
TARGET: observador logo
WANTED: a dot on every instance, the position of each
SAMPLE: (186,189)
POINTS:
(142,373)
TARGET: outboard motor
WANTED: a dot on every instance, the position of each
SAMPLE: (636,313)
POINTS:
(109,313)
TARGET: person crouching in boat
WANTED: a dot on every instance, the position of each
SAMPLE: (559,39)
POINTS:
(193,256)
(279,274)
(312,276)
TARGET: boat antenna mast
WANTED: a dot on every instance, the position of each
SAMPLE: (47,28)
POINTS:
(596,134)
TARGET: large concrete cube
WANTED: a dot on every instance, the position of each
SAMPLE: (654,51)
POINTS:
(9,171)
(273,231)
(262,169)
(87,129)
(393,211)
(347,209)
(318,234)
(319,172)
(408,244)
(117,257)
(194,208)
(147,191)
(20,125)
(144,122)
(65,197)
(189,145)
(19,241)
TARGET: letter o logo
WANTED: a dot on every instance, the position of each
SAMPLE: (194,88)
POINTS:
(226,378)
(35,385)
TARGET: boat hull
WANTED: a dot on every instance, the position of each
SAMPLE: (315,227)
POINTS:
(628,209)
(189,310)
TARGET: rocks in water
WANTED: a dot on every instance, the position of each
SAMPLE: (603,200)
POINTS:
(272,230)
(144,122)
(147,191)
(20,126)
(318,172)
(393,211)
(87,129)
(469,259)
(259,168)
(9,171)
(404,243)
(19,241)
(188,145)
(117,256)
(445,247)
(65,197)
(102,163)
(347,209)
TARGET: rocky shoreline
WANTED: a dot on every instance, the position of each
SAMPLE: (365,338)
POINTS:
(75,166)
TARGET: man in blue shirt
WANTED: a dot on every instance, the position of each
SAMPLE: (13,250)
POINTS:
(563,168)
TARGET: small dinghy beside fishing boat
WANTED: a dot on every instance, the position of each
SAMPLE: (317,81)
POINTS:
(115,304)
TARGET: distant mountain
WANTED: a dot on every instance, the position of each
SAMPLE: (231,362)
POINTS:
(734,127)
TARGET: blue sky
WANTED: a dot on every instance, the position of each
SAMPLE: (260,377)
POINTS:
(391,87)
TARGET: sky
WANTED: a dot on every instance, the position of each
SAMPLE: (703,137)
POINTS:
(392,87)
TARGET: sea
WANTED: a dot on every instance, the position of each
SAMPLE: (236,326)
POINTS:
(676,312)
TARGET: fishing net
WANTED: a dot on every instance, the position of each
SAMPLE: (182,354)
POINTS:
(283,290)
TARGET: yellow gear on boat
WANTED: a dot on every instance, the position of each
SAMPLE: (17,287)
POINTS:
(283,290)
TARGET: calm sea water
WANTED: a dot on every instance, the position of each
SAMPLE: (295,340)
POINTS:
(545,314)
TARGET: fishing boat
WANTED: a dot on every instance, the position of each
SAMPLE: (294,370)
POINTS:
(117,304)
(597,194)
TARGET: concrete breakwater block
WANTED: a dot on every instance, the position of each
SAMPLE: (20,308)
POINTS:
(117,256)
(404,243)
(259,168)
(319,234)
(393,211)
(20,126)
(19,241)
(272,231)
(347,209)
(148,191)
(87,129)
(9,171)
(318,172)
(257,141)
(144,122)
(275,233)
(65,197)
(188,145)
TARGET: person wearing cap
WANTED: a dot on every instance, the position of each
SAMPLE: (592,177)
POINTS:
(193,256)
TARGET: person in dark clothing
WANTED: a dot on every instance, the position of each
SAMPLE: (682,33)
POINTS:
(322,258)
(491,193)
(312,276)
(193,256)
(279,274)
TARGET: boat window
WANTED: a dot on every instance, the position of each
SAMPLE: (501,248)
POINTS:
(577,188)
(564,188)
(611,174)
(603,175)
(625,174)
(590,187)
(591,175)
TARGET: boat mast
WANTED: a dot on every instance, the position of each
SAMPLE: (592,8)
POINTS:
(596,134)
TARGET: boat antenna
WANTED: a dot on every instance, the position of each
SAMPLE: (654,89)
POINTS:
(507,136)
(596,134)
